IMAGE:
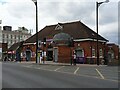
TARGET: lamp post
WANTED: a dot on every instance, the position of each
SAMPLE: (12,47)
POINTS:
(35,2)
(97,6)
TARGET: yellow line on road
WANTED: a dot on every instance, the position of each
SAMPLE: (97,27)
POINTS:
(59,68)
(100,74)
(76,70)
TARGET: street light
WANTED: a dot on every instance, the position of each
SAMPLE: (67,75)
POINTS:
(97,6)
(35,2)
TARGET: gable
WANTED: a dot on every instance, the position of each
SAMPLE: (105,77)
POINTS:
(58,27)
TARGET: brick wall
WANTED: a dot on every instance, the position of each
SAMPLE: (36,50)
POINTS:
(64,54)
(4,47)
(87,47)
(115,48)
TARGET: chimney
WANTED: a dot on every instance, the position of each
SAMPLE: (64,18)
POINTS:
(7,28)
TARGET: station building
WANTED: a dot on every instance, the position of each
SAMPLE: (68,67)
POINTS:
(60,41)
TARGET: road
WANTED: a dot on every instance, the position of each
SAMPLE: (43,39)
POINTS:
(14,75)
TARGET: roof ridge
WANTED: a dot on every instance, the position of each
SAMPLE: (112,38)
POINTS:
(69,22)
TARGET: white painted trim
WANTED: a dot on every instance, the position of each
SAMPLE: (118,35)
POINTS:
(58,27)
(28,43)
(76,40)
(95,57)
(91,57)
(49,40)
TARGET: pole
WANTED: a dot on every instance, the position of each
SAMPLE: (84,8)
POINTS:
(97,5)
(36,32)
(43,53)
(70,55)
(97,32)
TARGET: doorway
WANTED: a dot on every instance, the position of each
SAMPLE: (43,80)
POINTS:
(80,56)
(56,54)
(110,55)
(50,54)
(28,55)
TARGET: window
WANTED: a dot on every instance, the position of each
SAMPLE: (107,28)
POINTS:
(7,35)
(11,36)
(15,36)
(93,52)
(11,41)
(100,53)
(3,35)
(80,53)
(3,41)
(21,37)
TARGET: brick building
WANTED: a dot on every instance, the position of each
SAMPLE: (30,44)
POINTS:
(84,43)
(112,53)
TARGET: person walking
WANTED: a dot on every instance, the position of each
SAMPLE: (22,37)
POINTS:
(5,59)
(74,58)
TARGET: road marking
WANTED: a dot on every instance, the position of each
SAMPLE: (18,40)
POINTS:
(72,73)
(76,70)
(59,68)
(100,74)
(26,66)
(39,68)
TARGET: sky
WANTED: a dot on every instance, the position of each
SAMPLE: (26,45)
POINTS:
(19,13)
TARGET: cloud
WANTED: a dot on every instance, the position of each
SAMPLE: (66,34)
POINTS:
(22,13)
(108,13)
(110,31)
(20,9)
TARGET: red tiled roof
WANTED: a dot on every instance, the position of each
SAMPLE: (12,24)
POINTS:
(77,30)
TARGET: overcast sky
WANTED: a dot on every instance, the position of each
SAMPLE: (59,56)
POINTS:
(18,13)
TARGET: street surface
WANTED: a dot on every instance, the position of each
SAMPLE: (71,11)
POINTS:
(21,75)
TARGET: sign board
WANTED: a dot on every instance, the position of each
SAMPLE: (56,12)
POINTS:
(44,54)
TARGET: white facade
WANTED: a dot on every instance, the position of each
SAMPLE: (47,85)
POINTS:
(12,37)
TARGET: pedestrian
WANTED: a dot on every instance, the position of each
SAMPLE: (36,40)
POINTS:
(74,58)
(26,59)
(5,59)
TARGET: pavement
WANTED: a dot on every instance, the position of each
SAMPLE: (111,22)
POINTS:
(59,64)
